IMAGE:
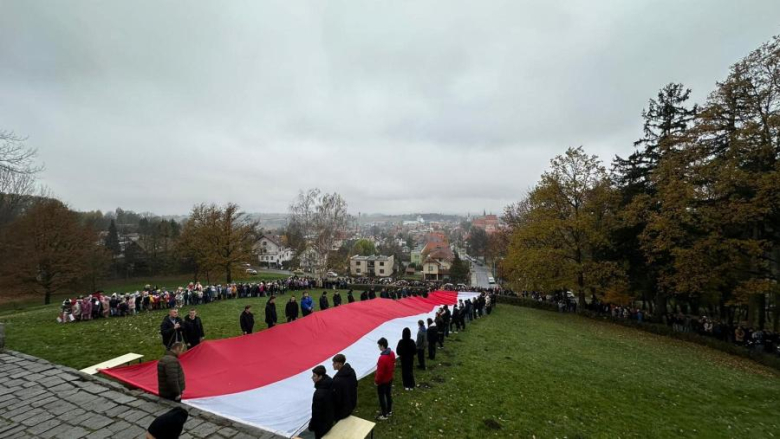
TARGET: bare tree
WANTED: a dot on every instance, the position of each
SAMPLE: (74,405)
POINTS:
(317,221)
(17,175)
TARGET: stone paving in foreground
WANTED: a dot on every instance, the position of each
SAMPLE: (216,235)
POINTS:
(39,399)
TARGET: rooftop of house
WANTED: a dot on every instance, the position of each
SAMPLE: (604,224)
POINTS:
(371,258)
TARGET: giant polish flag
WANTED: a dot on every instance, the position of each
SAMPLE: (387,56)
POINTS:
(264,379)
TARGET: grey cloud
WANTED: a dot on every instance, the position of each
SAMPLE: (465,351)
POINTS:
(400,106)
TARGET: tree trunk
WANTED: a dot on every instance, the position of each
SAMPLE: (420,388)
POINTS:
(227,274)
(756,311)
(660,304)
(776,313)
(47,297)
(581,292)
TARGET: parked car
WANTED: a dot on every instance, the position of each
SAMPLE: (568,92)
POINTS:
(491,281)
(251,271)
(246,264)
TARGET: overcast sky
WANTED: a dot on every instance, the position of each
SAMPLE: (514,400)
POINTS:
(400,106)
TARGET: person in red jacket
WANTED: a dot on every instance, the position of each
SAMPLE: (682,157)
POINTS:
(384,379)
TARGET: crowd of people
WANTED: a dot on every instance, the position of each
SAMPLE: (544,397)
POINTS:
(756,339)
(335,397)
(100,305)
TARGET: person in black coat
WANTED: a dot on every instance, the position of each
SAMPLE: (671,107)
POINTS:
(193,329)
(322,407)
(371,294)
(350,297)
(406,349)
(172,329)
(270,311)
(291,310)
(324,301)
(247,320)
(433,338)
(364,296)
(168,425)
(344,387)
(336,299)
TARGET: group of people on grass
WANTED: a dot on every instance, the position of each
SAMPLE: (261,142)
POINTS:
(334,398)
(430,336)
(756,339)
(101,305)
(189,330)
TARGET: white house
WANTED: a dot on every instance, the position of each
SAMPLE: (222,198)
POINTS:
(271,252)
(379,266)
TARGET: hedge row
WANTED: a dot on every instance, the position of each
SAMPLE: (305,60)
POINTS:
(658,329)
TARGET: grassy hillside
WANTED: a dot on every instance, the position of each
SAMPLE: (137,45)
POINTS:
(518,373)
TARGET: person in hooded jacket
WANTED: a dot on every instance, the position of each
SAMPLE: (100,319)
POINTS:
(322,407)
(336,299)
(383,379)
(270,311)
(307,304)
(247,320)
(291,310)
(364,295)
(433,338)
(324,301)
(406,350)
(350,297)
(344,387)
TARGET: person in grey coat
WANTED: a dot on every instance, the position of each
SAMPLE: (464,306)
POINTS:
(422,344)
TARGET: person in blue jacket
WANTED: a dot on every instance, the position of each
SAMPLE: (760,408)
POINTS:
(307,305)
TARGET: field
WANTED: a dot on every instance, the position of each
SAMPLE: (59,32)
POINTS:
(518,373)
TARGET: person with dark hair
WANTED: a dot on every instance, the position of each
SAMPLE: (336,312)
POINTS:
(422,343)
(344,387)
(307,304)
(168,425)
(336,299)
(270,312)
(322,407)
(350,297)
(445,320)
(406,350)
(171,329)
(433,338)
(291,310)
(170,375)
(193,329)
(364,295)
(384,379)
(371,294)
(324,301)
(440,327)
(247,320)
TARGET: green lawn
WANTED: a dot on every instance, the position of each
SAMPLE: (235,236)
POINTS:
(518,373)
